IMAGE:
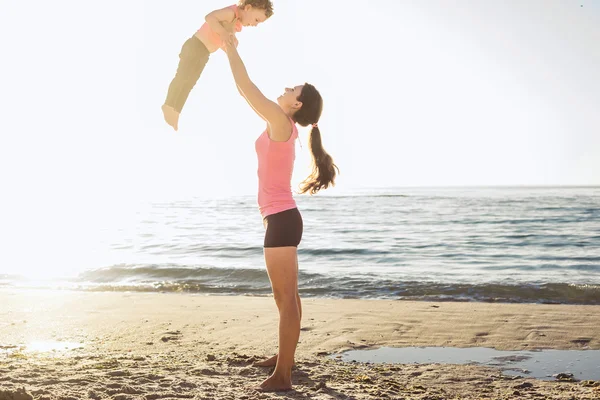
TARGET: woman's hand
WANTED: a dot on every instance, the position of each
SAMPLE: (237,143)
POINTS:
(265,108)
(227,38)
(230,45)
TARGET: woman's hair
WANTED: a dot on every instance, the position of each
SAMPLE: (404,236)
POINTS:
(324,170)
(266,5)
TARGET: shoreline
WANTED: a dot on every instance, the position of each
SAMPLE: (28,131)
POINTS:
(535,294)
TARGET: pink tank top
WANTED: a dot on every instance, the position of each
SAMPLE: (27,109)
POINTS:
(275,168)
(215,38)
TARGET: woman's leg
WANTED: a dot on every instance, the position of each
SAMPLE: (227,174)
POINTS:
(297,292)
(282,267)
(270,362)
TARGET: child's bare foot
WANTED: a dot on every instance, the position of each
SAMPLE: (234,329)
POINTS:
(167,113)
(170,115)
(175,120)
(274,384)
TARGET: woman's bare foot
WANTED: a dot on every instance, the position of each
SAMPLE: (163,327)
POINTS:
(271,362)
(274,384)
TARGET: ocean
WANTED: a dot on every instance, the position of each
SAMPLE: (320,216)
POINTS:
(497,244)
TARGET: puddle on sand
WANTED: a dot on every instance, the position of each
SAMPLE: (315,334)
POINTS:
(583,364)
(44,347)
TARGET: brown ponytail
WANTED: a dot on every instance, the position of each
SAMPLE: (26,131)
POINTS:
(324,170)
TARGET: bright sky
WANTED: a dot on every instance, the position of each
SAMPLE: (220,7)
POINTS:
(416,94)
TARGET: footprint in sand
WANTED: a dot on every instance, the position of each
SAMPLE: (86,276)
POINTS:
(154,377)
(187,385)
(582,341)
(113,386)
(246,371)
(170,336)
(204,371)
(19,394)
(117,373)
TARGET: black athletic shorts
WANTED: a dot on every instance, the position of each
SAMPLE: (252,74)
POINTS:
(284,229)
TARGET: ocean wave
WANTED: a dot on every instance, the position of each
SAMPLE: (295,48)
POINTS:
(238,281)
(173,272)
(562,293)
(255,282)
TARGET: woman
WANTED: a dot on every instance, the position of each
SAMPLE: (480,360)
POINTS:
(275,149)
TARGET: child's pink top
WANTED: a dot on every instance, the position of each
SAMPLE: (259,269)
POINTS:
(214,37)
(275,168)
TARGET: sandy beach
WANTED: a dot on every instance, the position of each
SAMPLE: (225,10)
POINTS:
(175,346)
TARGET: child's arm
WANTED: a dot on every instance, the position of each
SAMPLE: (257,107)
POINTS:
(230,27)
(265,108)
(215,20)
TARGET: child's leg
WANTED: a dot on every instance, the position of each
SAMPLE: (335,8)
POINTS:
(192,59)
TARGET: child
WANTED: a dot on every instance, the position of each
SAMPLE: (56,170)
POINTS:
(219,28)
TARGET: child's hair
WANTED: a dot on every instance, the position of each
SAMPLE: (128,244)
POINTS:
(266,5)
